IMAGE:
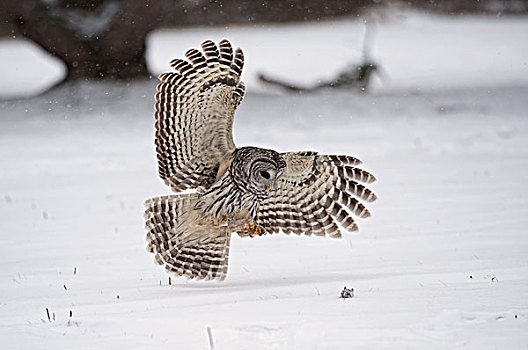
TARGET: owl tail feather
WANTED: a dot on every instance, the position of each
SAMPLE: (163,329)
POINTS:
(185,250)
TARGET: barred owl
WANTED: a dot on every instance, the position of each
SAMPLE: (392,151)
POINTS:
(247,190)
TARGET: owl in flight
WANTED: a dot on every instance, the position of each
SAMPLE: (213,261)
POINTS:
(247,190)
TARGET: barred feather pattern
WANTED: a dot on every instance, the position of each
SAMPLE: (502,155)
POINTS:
(193,251)
(315,194)
(294,192)
(195,107)
(241,187)
(225,199)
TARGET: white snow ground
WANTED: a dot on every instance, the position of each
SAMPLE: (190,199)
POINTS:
(442,263)
(27,69)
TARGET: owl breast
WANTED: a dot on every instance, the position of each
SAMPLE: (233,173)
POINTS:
(224,201)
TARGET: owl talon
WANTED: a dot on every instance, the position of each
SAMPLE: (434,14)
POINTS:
(253,230)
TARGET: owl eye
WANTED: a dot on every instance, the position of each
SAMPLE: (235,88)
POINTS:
(265,174)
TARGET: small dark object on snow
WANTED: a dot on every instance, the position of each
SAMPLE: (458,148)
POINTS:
(494,279)
(347,292)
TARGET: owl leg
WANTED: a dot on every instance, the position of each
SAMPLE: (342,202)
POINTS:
(252,230)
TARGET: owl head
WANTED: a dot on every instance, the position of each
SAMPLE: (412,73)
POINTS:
(256,169)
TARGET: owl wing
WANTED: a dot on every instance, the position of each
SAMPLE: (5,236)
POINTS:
(199,253)
(195,107)
(314,194)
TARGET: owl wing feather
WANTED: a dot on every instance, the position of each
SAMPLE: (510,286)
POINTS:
(195,107)
(198,254)
(314,194)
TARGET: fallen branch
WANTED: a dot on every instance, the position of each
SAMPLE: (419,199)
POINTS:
(355,78)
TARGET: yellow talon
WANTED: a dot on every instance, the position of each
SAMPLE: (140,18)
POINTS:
(253,229)
(268,188)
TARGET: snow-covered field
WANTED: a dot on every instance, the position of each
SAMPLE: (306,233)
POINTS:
(443,262)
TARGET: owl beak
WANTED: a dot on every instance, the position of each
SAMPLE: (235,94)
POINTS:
(272,186)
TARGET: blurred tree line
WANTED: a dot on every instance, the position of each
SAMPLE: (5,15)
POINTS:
(99,39)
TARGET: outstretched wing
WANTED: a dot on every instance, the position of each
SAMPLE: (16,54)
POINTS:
(200,253)
(314,194)
(195,107)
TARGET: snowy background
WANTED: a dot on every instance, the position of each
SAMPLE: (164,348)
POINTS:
(443,262)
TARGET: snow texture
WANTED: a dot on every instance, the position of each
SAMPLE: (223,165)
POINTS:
(441,264)
(415,52)
(26,69)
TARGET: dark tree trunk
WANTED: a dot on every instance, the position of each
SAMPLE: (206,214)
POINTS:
(111,46)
